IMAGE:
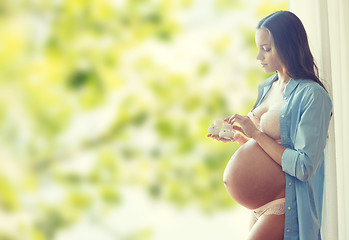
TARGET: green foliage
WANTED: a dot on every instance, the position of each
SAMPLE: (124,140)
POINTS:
(228,4)
(143,234)
(269,6)
(101,95)
(51,221)
(8,196)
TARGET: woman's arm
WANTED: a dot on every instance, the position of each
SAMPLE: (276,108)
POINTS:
(309,139)
(270,146)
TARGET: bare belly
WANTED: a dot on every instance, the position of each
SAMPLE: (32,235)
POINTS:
(252,178)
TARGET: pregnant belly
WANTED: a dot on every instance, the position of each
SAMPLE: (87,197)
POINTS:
(252,178)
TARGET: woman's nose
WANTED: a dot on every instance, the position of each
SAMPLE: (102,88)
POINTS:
(259,56)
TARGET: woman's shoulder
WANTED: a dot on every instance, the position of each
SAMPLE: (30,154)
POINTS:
(309,86)
(310,90)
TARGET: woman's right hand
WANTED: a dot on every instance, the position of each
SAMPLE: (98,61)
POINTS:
(218,138)
(238,137)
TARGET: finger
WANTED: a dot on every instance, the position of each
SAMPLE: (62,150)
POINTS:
(228,139)
(237,128)
(235,118)
(231,119)
(227,119)
(213,136)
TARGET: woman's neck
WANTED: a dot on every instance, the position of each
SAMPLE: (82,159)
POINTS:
(283,79)
(283,76)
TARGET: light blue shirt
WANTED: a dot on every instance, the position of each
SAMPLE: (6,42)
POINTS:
(304,120)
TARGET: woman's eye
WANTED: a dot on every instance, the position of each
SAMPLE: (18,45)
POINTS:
(267,50)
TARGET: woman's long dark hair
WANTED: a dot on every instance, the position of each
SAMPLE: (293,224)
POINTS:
(291,43)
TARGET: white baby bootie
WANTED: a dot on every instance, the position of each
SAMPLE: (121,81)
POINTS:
(215,127)
(226,131)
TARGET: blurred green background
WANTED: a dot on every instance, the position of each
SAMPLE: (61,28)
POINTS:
(102,97)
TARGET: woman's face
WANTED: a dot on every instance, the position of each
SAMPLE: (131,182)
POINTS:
(267,54)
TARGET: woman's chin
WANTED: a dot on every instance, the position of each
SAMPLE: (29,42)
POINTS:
(266,70)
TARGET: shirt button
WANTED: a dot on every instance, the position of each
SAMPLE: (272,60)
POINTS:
(289,183)
(285,98)
(289,208)
(282,116)
(284,138)
(288,230)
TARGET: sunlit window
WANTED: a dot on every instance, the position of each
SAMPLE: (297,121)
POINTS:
(104,113)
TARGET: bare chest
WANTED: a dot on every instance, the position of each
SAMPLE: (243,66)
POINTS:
(267,113)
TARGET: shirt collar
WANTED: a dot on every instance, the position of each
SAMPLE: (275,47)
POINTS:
(291,85)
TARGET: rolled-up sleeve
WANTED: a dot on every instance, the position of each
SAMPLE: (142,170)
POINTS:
(309,138)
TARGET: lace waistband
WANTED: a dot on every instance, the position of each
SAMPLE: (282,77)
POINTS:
(276,207)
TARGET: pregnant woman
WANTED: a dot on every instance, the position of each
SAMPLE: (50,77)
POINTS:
(278,171)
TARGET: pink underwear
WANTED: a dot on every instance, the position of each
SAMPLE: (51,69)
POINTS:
(276,207)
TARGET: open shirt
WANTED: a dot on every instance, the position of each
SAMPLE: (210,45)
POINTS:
(304,119)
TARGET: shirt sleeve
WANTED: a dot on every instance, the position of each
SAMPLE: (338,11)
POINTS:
(303,159)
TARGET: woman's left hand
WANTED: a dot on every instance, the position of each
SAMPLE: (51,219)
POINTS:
(247,126)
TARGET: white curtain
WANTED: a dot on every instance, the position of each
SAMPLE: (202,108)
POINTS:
(327,25)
